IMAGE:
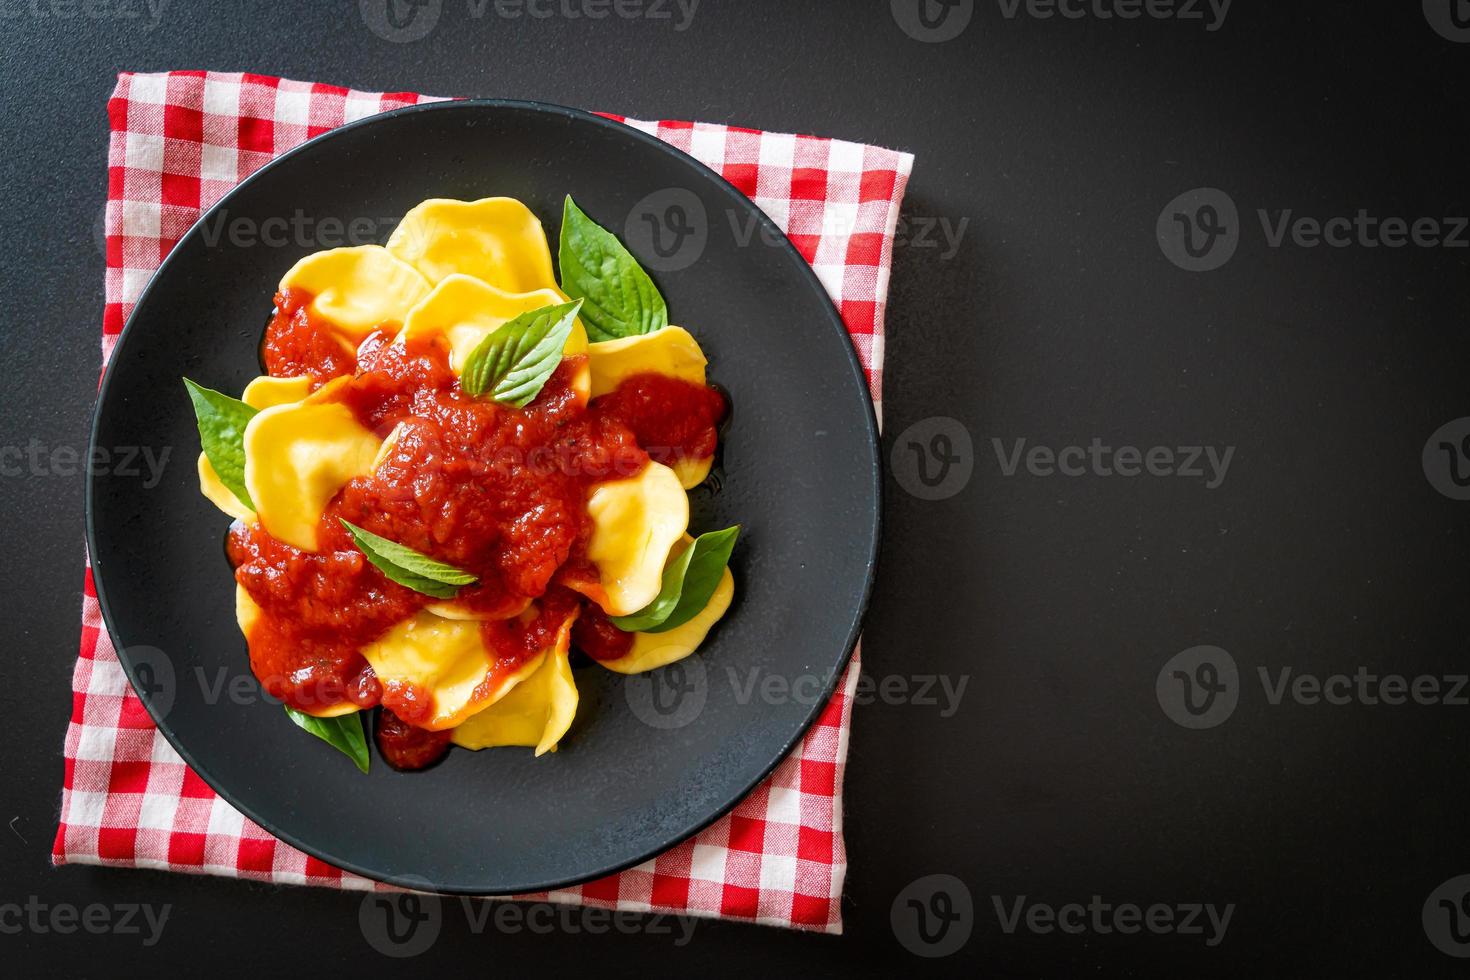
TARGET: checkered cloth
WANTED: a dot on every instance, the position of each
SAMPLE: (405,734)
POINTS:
(180,141)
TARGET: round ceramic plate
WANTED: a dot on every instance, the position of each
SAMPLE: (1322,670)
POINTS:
(650,759)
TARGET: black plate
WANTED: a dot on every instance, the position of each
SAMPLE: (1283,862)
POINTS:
(801,473)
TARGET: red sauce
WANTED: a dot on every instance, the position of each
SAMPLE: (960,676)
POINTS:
(672,419)
(406,746)
(595,635)
(496,491)
(514,641)
(317,610)
(296,343)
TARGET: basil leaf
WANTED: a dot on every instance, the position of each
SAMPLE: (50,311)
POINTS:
(621,301)
(407,567)
(343,733)
(222,422)
(688,583)
(513,363)
(663,605)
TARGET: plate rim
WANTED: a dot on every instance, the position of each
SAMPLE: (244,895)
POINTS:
(833,320)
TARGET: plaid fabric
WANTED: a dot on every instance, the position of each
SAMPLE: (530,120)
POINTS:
(180,141)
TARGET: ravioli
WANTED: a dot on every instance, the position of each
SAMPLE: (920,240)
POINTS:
(358,289)
(653,650)
(448,659)
(692,472)
(635,523)
(221,496)
(267,392)
(464,311)
(495,239)
(297,456)
(246,610)
(671,351)
(536,713)
(263,392)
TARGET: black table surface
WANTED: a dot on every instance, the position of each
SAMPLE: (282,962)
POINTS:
(1320,552)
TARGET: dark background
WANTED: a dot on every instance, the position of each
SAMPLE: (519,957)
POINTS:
(1058,320)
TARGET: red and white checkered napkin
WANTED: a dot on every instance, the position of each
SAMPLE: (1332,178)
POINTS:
(180,141)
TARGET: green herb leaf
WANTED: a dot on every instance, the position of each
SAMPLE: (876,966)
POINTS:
(513,363)
(688,583)
(222,422)
(407,567)
(621,301)
(663,605)
(343,733)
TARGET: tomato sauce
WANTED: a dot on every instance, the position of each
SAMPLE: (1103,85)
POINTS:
(296,343)
(672,419)
(406,746)
(496,491)
(595,635)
